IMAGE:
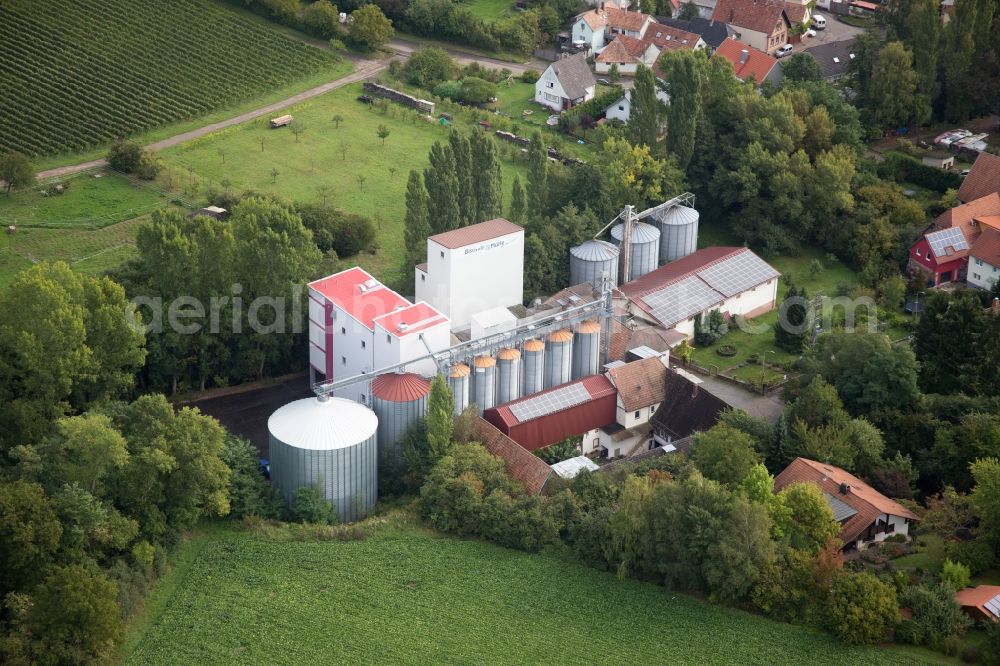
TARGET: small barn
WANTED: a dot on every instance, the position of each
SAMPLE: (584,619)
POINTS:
(939,159)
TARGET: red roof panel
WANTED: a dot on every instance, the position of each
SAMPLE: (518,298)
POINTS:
(412,319)
(359,294)
(400,387)
(475,233)
(758,64)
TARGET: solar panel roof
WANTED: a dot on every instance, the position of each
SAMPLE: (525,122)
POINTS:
(681,300)
(737,274)
(841,510)
(544,404)
(993,606)
(947,241)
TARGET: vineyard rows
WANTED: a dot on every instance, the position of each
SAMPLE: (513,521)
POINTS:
(79,73)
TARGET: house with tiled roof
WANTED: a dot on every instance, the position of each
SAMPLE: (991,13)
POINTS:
(762,24)
(626,53)
(943,252)
(596,28)
(733,280)
(981,603)
(687,408)
(866,516)
(523,465)
(834,58)
(669,38)
(566,83)
(983,178)
(798,13)
(748,63)
(713,33)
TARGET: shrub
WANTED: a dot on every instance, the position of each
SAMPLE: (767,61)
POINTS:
(427,67)
(530,75)
(905,168)
(347,234)
(310,506)
(321,19)
(936,615)
(559,451)
(861,608)
(125,156)
(955,574)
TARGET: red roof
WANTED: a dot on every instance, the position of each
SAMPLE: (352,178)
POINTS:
(475,233)
(359,294)
(983,178)
(668,38)
(411,319)
(867,502)
(523,465)
(624,49)
(677,270)
(977,597)
(757,15)
(400,387)
(987,247)
(962,216)
(625,20)
(757,66)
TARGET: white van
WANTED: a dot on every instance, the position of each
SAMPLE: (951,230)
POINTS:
(819,22)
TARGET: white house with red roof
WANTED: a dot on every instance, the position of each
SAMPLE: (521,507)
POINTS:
(473,269)
(358,325)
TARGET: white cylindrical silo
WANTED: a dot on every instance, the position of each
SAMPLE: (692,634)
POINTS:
(508,375)
(587,349)
(399,401)
(484,381)
(591,260)
(559,357)
(533,367)
(458,382)
(331,442)
(678,232)
(645,248)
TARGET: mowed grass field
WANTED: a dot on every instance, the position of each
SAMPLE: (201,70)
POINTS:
(326,155)
(489,10)
(79,74)
(405,596)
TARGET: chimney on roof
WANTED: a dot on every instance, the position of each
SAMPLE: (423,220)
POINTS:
(844,488)
(744,56)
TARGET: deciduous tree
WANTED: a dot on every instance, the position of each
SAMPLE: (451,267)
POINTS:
(417,226)
(16,171)
(369,28)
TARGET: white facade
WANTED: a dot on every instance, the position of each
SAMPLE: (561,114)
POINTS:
(582,33)
(622,109)
(894,525)
(470,278)
(634,418)
(981,274)
(549,92)
(491,322)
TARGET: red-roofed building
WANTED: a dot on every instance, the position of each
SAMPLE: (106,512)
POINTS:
(548,417)
(981,602)
(762,24)
(983,179)
(358,325)
(627,53)
(957,246)
(523,465)
(749,63)
(865,515)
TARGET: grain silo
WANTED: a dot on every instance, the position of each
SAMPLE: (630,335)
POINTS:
(645,248)
(591,260)
(399,401)
(678,232)
(533,367)
(587,349)
(458,382)
(559,357)
(508,375)
(484,381)
(327,441)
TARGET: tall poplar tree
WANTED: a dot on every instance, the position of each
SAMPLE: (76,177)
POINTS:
(538,181)
(922,29)
(462,154)
(417,221)
(684,75)
(517,204)
(442,188)
(487,177)
(646,114)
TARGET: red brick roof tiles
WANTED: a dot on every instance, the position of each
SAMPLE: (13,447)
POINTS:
(476,233)
(983,178)
(523,465)
(757,66)
(757,15)
(640,383)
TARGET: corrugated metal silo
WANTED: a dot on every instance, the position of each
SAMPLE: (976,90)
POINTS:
(458,382)
(533,367)
(590,260)
(484,381)
(508,375)
(559,357)
(399,401)
(645,248)
(678,232)
(330,441)
(587,349)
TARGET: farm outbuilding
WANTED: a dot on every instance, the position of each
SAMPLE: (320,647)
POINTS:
(327,441)
(281,121)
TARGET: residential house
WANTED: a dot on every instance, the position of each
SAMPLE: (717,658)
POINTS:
(981,602)
(798,12)
(943,251)
(749,64)
(622,109)
(566,83)
(866,516)
(762,24)
(713,33)
(669,38)
(640,386)
(588,29)
(984,256)
(983,178)
(733,280)
(595,28)
(523,465)
(626,53)
(687,408)
(834,58)
(630,24)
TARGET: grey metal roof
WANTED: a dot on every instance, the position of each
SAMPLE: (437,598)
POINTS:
(594,250)
(643,351)
(841,510)
(833,57)
(574,75)
(641,232)
(738,273)
(677,216)
(947,241)
(569,468)
(682,299)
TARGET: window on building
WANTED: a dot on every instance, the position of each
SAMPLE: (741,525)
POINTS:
(637,415)
(423,278)
(388,338)
(977,276)
(550,84)
(343,360)
(918,251)
(363,345)
(343,331)
(652,410)
(362,397)
(621,107)
(442,254)
(979,262)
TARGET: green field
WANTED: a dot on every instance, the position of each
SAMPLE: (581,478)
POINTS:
(328,156)
(405,596)
(79,74)
(488,10)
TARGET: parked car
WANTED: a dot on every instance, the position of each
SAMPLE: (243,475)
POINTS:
(783,51)
(965,172)
(810,33)
(604,82)
(265,467)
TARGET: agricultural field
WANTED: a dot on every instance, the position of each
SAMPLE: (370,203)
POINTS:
(489,10)
(403,595)
(80,74)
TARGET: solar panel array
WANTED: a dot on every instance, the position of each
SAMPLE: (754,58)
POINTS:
(993,606)
(681,300)
(737,274)
(940,241)
(544,404)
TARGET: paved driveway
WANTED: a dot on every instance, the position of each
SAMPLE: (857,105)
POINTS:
(767,407)
(835,31)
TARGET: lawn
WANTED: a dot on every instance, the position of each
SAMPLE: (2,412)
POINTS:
(928,555)
(488,10)
(402,595)
(326,155)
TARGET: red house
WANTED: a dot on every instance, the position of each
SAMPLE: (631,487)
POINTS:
(942,253)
